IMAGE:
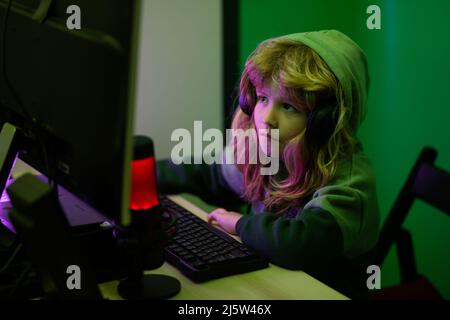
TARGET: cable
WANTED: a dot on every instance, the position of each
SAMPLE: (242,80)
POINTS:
(20,279)
(171,228)
(11,259)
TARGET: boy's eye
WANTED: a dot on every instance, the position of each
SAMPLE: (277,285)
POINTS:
(262,99)
(289,108)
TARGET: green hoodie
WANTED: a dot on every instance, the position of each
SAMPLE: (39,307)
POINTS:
(332,236)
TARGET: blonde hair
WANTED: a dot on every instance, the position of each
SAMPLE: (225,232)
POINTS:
(308,80)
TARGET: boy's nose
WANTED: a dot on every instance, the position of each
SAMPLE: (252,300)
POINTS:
(270,117)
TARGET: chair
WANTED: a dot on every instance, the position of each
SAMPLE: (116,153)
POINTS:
(432,185)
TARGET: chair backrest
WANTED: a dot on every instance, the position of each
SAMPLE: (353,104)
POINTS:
(426,182)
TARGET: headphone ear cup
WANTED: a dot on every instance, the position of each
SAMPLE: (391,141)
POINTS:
(245,107)
(320,125)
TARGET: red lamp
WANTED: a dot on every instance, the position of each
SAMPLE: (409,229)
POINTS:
(144,189)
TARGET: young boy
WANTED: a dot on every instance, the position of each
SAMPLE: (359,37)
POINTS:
(319,213)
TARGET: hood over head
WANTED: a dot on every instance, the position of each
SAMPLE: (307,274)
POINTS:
(347,61)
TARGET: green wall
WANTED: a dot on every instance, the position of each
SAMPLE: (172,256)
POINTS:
(409,99)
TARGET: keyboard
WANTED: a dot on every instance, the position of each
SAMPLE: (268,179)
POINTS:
(202,252)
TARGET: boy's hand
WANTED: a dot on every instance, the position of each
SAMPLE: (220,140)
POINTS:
(226,219)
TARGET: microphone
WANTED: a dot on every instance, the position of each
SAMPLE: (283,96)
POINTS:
(145,208)
(145,247)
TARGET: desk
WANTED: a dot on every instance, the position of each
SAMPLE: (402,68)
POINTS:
(270,283)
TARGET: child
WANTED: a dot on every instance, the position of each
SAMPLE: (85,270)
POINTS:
(319,213)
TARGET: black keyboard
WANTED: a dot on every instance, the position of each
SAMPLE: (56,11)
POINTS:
(202,252)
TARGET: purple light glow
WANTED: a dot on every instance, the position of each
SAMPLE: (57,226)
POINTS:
(9,181)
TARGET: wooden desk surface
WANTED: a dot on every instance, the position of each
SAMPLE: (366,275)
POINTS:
(267,284)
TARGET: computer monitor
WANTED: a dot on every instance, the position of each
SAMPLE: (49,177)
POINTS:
(71,93)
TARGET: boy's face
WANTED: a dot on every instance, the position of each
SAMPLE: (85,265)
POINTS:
(274,110)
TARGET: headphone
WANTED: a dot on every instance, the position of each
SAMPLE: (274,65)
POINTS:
(320,124)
